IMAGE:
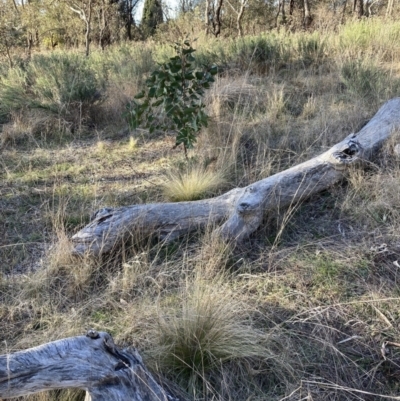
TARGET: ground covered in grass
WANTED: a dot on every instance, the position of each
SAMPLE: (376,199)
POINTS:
(308,308)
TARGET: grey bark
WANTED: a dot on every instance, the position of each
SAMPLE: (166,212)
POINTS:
(92,363)
(240,210)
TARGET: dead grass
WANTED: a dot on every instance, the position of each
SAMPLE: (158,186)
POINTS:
(300,311)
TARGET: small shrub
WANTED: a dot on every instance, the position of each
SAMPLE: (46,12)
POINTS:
(63,82)
(178,87)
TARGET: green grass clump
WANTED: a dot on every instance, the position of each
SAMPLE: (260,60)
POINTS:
(367,80)
(361,78)
(311,49)
(370,37)
(260,53)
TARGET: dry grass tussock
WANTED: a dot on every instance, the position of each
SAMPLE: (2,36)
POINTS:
(303,310)
(194,183)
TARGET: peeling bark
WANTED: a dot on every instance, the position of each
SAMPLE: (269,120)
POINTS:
(241,210)
(92,363)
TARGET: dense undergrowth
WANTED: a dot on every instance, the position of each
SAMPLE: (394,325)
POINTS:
(302,309)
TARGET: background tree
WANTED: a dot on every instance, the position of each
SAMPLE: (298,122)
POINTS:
(358,8)
(84,10)
(31,16)
(280,14)
(239,14)
(152,16)
(127,10)
(106,22)
(212,15)
(389,9)
(185,6)
(307,14)
(10,28)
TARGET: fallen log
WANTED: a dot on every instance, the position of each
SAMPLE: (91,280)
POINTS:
(92,363)
(240,210)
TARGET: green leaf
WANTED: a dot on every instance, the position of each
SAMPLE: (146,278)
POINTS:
(152,91)
(175,68)
(199,75)
(140,95)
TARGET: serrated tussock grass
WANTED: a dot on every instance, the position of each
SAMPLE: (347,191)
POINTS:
(192,184)
(203,333)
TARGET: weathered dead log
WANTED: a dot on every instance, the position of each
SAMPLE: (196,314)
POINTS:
(242,209)
(92,363)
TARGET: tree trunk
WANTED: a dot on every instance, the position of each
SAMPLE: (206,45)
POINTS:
(358,8)
(88,27)
(85,16)
(281,10)
(389,9)
(291,7)
(92,363)
(241,210)
(217,18)
(207,16)
(342,20)
(8,53)
(307,14)
(15,6)
(240,17)
(102,24)
(368,6)
(129,17)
